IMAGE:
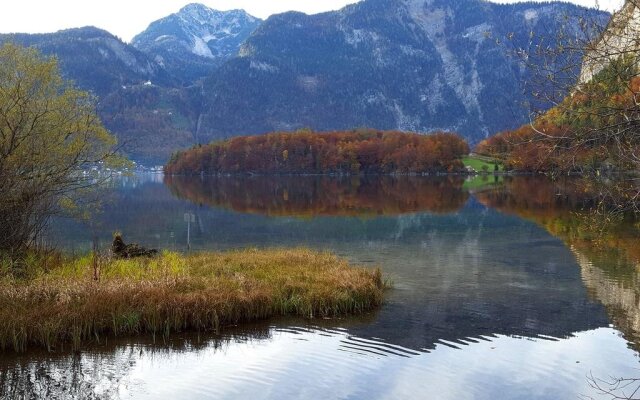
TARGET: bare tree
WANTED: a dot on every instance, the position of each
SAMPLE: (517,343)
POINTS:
(615,388)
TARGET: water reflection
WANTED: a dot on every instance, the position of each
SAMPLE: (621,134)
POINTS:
(329,196)
(607,248)
(457,275)
(476,269)
(285,361)
(103,371)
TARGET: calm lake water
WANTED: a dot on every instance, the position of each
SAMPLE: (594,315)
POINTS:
(502,290)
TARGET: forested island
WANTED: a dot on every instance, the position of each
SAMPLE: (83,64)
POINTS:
(361,151)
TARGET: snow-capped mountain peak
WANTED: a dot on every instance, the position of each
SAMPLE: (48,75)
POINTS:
(197,33)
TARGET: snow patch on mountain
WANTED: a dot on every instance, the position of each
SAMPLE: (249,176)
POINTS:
(530,15)
(263,66)
(197,38)
(201,48)
(355,37)
(405,121)
(478,33)
(309,84)
(205,25)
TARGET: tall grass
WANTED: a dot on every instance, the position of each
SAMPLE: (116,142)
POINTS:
(171,293)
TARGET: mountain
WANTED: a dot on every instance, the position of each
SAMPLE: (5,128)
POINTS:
(151,121)
(413,65)
(139,100)
(95,59)
(593,129)
(196,39)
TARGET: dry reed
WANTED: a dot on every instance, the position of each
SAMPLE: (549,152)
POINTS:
(172,293)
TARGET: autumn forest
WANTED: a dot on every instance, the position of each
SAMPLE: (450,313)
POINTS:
(306,152)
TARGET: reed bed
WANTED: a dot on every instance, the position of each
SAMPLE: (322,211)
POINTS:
(172,292)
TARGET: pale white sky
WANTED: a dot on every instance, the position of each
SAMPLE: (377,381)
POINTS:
(126,18)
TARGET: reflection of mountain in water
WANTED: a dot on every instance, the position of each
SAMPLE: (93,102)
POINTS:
(620,298)
(497,276)
(472,273)
(606,250)
(313,196)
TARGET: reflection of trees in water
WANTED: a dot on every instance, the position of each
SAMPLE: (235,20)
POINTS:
(606,246)
(84,376)
(101,373)
(309,196)
(569,209)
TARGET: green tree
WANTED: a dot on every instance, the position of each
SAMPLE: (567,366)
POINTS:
(50,135)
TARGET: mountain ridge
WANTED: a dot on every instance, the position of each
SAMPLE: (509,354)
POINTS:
(413,65)
(390,64)
(94,58)
(195,40)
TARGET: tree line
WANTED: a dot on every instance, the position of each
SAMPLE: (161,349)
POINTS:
(306,152)
(593,129)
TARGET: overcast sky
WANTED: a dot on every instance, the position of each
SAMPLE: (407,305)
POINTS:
(126,18)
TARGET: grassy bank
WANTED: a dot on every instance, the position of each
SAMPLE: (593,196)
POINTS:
(482,164)
(172,292)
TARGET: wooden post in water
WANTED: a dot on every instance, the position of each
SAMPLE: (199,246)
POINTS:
(96,260)
(189,218)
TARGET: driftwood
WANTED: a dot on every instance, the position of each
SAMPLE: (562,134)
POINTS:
(122,250)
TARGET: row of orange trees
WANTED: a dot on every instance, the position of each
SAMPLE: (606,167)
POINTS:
(307,152)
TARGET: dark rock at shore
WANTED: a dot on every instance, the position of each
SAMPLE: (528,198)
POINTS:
(122,250)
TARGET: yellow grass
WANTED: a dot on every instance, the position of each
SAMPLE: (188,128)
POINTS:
(175,292)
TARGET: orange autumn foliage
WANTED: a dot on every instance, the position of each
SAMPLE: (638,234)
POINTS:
(593,128)
(306,152)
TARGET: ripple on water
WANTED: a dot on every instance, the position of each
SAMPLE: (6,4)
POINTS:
(333,363)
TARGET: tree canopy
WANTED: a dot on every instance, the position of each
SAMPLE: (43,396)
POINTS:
(594,128)
(306,152)
(49,134)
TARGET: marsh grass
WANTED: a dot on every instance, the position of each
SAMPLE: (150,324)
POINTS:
(171,293)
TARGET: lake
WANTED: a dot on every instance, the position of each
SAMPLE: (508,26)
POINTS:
(502,288)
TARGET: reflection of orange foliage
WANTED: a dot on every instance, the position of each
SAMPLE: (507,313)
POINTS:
(529,196)
(564,209)
(611,245)
(309,196)
(305,152)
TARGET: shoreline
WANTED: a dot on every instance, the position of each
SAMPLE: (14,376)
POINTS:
(349,175)
(63,307)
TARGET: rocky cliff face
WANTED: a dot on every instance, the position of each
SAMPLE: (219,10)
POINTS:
(621,38)
(621,297)
(196,39)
